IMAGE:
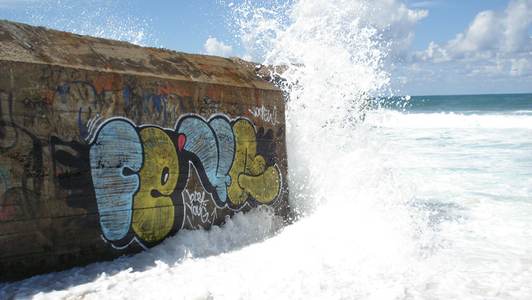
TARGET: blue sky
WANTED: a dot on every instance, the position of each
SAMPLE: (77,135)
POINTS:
(446,18)
(456,47)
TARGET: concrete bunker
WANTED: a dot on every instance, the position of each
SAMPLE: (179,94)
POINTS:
(107,148)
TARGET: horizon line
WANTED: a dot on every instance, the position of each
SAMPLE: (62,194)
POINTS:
(481,94)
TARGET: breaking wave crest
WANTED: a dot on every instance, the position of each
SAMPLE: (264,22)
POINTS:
(396,119)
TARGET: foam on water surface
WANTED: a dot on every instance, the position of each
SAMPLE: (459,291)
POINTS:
(396,119)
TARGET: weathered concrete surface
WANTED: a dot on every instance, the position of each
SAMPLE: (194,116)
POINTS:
(107,148)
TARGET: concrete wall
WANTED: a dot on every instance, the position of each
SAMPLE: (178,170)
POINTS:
(107,148)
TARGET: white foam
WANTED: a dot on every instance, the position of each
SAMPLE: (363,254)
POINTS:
(396,119)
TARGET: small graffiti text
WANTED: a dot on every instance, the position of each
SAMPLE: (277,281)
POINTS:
(198,205)
(267,115)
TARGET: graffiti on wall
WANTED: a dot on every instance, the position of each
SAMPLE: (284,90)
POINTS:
(78,183)
(203,211)
(87,100)
(265,114)
(21,150)
(227,152)
(141,182)
(139,174)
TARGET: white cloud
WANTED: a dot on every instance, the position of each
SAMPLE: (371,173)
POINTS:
(214,47)
(483,34)
(489,34)
(520,67)
(495,44)
(397,22)
(517,23)
(492,54)
(501,31)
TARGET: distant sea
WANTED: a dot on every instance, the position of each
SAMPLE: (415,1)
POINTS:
(472,104)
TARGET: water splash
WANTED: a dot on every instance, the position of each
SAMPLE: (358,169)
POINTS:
(333,55)
(95,18)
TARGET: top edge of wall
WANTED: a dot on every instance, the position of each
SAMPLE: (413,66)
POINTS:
(30,44)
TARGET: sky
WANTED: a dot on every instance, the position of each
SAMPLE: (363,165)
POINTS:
(440,46)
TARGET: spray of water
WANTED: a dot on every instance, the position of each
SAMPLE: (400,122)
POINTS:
(333,63)
(357,216)
(105,19)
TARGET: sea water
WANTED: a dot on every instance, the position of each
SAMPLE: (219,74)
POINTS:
(470,160)
(402,198)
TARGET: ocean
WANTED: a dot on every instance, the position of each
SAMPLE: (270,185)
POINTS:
(425,197)
(470,160)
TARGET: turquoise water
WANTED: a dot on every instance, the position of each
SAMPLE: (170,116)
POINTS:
(470,104)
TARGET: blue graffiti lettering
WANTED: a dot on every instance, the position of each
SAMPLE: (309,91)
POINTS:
(213,143)
(115,158)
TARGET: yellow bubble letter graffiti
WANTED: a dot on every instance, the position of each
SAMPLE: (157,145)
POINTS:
(153,216)
(264,187)
(249,173)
